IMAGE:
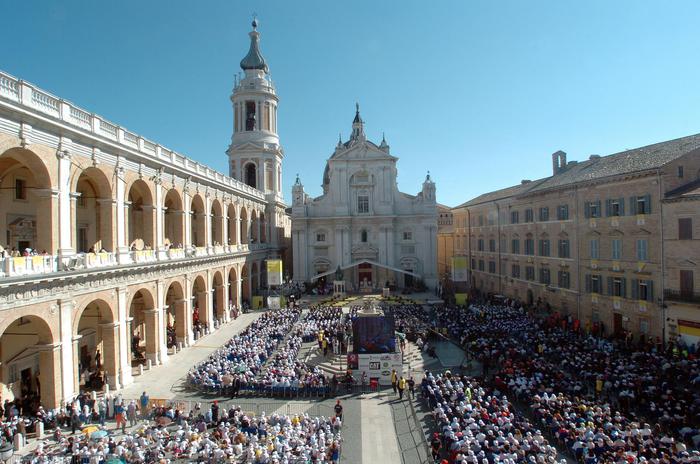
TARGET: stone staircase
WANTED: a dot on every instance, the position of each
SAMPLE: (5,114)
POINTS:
(417,362)
(331,364)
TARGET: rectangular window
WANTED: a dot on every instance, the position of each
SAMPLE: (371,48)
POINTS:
(642,252)
(595,284)
(564,279)
(595,249)
(615,207)
(544,214)
(616,249)
(685,228)
(563,212)
(514,217)
(617,286)
(363,204)
(492,245)
(515,271)
(481,220)
(408,235)
(680,171)
(492,267)
(640,204)
(20,189)
(320,237)
(544,247)
(529,246)
(530,272)
(544,276)
(645,293)
(515,246)
(592,209)
(481,264)
(473,264)
(529,217)
(564,248)
(686,283)
(480,244)
(250,116)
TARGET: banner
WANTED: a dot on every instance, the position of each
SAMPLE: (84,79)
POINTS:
(274,272)
(459,269)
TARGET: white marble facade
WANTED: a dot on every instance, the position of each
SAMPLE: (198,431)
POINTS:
(362,223)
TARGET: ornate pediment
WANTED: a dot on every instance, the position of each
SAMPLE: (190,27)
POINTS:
(364,251)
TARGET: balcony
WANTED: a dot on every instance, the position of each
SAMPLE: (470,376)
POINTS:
(26,266)
(682,296)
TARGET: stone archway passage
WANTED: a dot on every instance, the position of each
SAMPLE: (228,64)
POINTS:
(96,347)
(144,328)
(31,361)
(200,307)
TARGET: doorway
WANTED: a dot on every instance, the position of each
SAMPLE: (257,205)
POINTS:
(617,324)
(408,279)
(365,275)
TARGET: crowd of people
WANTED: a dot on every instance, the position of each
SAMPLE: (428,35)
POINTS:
(212,434)
(235,366)
(599,399)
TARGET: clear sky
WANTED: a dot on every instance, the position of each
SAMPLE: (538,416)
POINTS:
(478,92)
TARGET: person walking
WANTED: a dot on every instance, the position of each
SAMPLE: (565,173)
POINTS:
(75,420)
(411,386)
(119,416)
(401,386)
(215,412)
(131,413)
(435,446)
(338,410)
(394,380)
(144,405)
(102,410)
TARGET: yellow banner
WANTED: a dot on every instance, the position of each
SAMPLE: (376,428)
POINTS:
(459,269)
(274,272)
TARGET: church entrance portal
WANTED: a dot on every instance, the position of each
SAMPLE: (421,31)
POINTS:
(364,273)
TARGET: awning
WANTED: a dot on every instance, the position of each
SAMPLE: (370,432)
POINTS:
(356,263)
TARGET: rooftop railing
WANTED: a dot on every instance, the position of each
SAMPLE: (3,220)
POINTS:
(28,95)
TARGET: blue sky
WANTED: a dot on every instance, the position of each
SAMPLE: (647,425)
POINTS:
(478,92)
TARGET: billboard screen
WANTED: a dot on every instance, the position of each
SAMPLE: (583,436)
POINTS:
(459,269)
(374,334)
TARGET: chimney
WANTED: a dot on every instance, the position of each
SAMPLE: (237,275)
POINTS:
(594,157)
(525,181)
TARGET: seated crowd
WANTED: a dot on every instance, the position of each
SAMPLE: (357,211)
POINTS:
(601,399)
(212,435)
(240,360)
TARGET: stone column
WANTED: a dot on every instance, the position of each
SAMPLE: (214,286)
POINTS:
(49,375)
(74,214)
(237,221)
(159,221)
(208,224)
(239,283)
(125,376)
(110,353)
(220,297)
(48,224)
(152,334)
(75,343)
(181,327)
(65,224)
(121,207)
(224,227)
(162,322)
(187,228)
(67,368)
(225,297)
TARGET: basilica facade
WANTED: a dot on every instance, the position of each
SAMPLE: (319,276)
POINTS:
(362,226)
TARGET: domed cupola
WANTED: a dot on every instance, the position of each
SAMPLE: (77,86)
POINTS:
(254,59)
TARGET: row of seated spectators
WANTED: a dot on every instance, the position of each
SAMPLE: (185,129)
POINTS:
(240,360)
(211,435)
(603,400)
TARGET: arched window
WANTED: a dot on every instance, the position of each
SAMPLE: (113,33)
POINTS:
(251,175)
(363,236)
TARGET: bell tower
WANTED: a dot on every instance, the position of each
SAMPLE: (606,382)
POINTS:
(255,154)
